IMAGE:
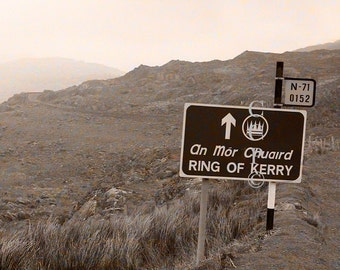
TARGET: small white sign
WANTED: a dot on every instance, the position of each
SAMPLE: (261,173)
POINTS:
(299,92)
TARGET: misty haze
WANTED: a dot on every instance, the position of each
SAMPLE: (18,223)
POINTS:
(39,74)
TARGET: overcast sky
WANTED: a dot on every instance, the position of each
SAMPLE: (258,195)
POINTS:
(127,33)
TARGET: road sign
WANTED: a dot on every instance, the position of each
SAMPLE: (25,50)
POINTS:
(242,143)
(299,92)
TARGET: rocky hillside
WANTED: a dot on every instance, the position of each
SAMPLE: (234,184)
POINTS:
(163,90)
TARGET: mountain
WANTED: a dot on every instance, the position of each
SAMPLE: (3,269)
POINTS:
(164,90)
(326,46)
(38,74)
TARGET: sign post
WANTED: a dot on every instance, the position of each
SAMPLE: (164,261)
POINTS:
(202,221)
(272,185)
(271,205)
(278,85)
(298,92)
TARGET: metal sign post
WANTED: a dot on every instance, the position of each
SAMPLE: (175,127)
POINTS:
(203,221)
(298,92)
(272,185)
(271,206)
(278,85)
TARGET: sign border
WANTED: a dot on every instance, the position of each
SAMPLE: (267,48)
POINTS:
(187,105)
(300,79)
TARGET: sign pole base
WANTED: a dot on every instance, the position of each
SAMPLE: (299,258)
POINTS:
(270,219)
(271,205)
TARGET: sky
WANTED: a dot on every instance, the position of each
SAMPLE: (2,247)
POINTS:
(126,33)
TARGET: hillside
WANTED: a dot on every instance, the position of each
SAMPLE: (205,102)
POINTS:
(90,173)
(164,90)
(38,74)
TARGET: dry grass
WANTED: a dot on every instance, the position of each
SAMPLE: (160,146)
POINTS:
(322,145)
(163,238)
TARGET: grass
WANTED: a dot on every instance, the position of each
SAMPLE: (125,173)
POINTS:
(164,238)
(322,145)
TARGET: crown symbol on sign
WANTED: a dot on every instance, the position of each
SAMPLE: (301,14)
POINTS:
(255,128)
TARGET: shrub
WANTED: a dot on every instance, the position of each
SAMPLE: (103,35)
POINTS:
(164,237)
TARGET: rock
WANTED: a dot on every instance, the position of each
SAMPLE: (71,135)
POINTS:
(298,206)
(115,197)
(23,201)
(285,206)
(135,178)
(23,216)
(113,192)
(166,174)
(87,210)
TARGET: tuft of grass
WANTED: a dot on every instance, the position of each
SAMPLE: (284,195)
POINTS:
(144,239)
(322,145)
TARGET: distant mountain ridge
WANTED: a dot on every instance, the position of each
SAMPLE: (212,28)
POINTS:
(163,90)
(38,74)
(326,46)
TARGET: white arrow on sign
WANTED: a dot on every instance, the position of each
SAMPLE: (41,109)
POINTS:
(228,120)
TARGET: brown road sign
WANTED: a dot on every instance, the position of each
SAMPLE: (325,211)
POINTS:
(242,143)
